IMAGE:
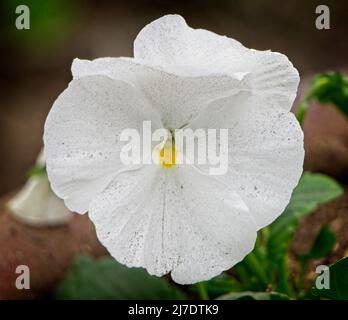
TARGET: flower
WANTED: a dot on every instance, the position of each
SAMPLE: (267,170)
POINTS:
(36,205)
(176,217)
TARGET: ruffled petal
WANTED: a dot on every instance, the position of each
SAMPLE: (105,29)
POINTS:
(265,153)
(272,78)
(82,136)
(176,98)
(174,220)
(171,44)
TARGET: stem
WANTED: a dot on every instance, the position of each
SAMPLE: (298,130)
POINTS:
(255,266)
(202,290)
(284,283)
(301,276)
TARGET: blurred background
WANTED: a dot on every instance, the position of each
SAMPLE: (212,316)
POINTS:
(35,68)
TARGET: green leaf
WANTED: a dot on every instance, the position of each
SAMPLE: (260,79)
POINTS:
(104,278)
(338,282)
(312,191)
(250,295)
(330,88)
(322,246)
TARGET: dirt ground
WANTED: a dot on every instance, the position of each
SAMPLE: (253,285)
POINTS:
(47,251)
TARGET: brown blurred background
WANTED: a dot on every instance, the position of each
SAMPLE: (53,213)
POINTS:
(35,63)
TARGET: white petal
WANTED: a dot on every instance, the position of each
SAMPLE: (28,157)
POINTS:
(177,98)
(272,77)
(121,213)
(176,220)
(82,136)
(171,44)
(265,153)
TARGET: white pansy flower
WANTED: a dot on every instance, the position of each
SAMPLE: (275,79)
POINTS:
(36,205)
(177,218)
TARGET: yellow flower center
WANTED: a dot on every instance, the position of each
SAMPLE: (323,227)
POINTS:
(167,155)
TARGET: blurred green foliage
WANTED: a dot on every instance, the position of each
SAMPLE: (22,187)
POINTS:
(105,278)
(51,23)
(331,88)
(322,245)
